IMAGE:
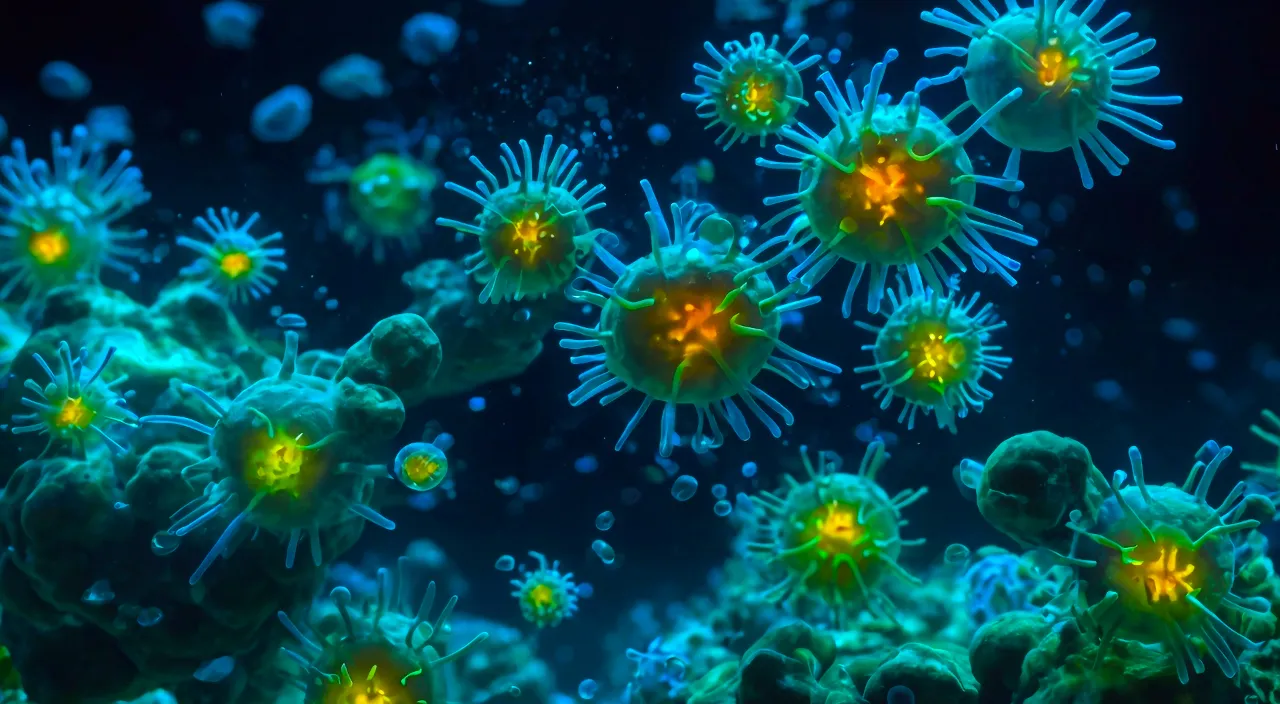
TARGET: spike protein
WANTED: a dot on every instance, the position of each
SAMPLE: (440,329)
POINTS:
(889,188)
(534,231)
(684,326)
(755,91)
(932,352)
(235,263)
(1068,72)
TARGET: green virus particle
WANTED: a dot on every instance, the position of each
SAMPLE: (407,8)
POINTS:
(1271,434)
(534,231)
(380,652)
(754,92)
(932,352)
(546,595)
(383,201)
(235,263)
(1068,74)
(889,188)
(58,226)
(835,535)
(76,406)
(280,461)
(1160,562)
(685,326)
(421,466)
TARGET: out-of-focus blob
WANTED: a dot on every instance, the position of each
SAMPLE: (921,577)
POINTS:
(427,36)
(353,77)
(401,353)
(229,24)
(4,128)
(659,134)
(62,80)
(283,115)
(234,263)
(109,124)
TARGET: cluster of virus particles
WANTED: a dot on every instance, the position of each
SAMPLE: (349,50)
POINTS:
(295,454)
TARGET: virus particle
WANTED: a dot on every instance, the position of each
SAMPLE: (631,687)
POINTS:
(534,231)
(890,187)
(57,226)
(281,461)
(75,407)
(1068,74)
(546,595)
(382,652)
(235,263)
(1271,434)
(692,323)
(835,536)
(421,466)
(387,201)
(754,92)
(932,352)
(1160,563)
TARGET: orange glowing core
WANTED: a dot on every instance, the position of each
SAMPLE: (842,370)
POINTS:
(49,246)
(1163,578)
(937,359)
(373,690)
(883,184)
(541,597)
(74,414)
(527,234)
(235,264)
(695,327)
(1054,67)
(421,469)
(755,93)
(836,527)
(280,465)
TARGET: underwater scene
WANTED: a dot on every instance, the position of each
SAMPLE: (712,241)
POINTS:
(665,352)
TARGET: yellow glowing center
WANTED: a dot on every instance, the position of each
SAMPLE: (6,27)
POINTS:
(235,264)
(1163,578)
(695,327)
(938,357)
(279,467)
(541,597)
(838,528)
(1053,65)
(884,183)
(74,414)
(421,469)
(49,246)
(527,233)
(756,94)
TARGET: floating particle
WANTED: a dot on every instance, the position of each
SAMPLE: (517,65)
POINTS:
(1137,288)
(1202,360)
(421,466)
(331,304)
(98,593)
(833,56)
(229,24)
(506,563)
(283,115)
(585,590)
(900,695)
(1185,220)
(719,491)
(606,126)
(476,404)
(1075,337)
(587,689)
(604,551)
(749,469)
(723,508)
(586,464)
(150,616)
(164,543)
(604,521)
(215,670)
(427,36)
(547,118)
(109,124)
(353,77)
(291,320)
(4,129)
(531,492)
(631,496)
(955,554)
(659,134)
(1180,329)
(1095,274)
(705,170)
(597,105)
(1107,390)
(321,292)
(684,487)
(61,80)
(276,311)
(509,486)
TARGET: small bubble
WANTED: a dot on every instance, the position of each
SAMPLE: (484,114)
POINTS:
(150,616)
(587,689)
(1075,336)
(164,543)
(476,404)
(1202,360)
(98,593)
(506,563)
(719,491)
(900,695)
(291,321)
(604,551)
(684,487)
(586,464)
(585,590)
(1180,329)
(749,469)
(604,521)
(331,304)
(955,554)
(723,508)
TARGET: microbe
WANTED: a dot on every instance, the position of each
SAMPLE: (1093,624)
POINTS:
(546,595)
(76,406)
(421,466)
(234,262)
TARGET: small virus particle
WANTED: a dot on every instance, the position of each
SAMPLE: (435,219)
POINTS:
(64,81)
(382,652)
(282,116)
(421,466)
(74,407)
(57,225)
(1068,74)
(693,323)
(428,36)
(230,23)
(234,263)
(1159,565)
(546,596)
(890,187)
(835,536)
(353,77)
(932,352)
(1271,435)
(754,92)
(534,231)
(387,199)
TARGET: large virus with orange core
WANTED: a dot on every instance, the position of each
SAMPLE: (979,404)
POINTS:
(932,353)
(546,595)
(534,231)
(234,263)
(1068,73)
(684,327)
(58,225)
(835,536)
(753,92)
(889,188)
(76,406)
(281,460)
(1160,562)
(383,651)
